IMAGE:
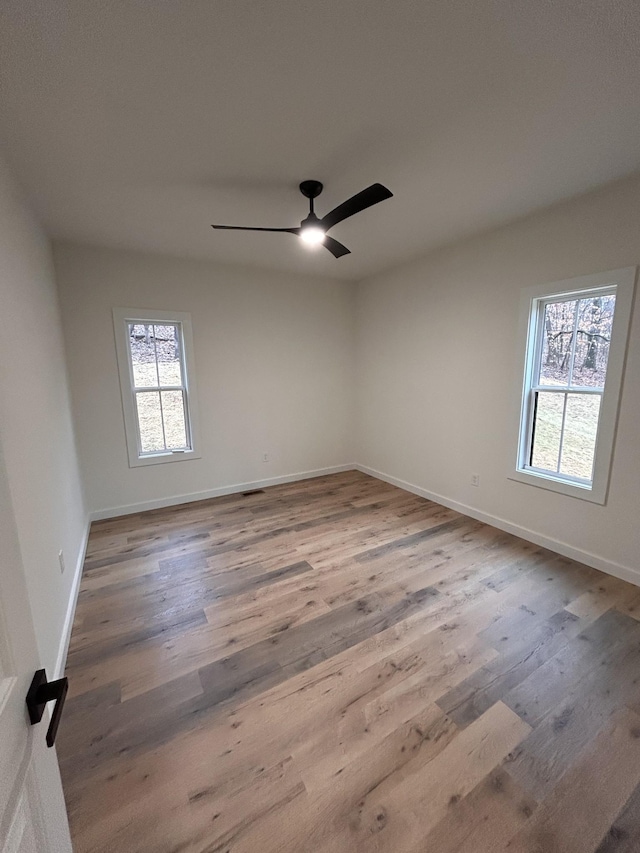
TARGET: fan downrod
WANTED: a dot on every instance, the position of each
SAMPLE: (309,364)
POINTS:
(311,189)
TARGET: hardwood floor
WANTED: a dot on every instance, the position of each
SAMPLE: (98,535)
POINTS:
(337,665)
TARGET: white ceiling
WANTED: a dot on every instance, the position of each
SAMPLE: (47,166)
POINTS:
(138,123)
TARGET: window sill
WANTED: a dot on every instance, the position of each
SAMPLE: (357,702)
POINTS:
(592,494)
(162,458)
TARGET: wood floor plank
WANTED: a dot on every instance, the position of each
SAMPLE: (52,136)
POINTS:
(523,655)
(547,686)
(400,810)
(568,729)
(623,836)
(338,665)
(583,805)
(412,745)
(491,814)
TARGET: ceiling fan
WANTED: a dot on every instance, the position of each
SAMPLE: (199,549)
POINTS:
(314,230)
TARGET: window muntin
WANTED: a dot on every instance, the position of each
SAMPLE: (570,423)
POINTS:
(567,381)
(157,382)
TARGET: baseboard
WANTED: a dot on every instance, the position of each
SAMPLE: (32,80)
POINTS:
(61,660)
(176,500)
(609,567)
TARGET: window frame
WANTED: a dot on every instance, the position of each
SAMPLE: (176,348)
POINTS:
(622,283)
(121,318)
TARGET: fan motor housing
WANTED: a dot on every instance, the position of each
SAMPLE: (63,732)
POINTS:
(311,189)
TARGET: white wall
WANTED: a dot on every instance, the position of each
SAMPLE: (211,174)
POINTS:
(274,364)
(36,428)
(435,376)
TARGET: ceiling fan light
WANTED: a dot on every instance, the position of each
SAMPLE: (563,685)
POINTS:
(312,236)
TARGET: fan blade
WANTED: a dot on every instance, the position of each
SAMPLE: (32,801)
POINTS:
(336,249)
(366,198)
(245,228)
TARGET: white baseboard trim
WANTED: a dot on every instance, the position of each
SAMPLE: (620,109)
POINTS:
(609,567)
(176,500)
(61,660)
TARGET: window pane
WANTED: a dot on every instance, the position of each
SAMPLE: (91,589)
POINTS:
(547,430)
(595,320)
(174,423)
(557,340)
(143,357)
(168,349)
(580,430)
(150,421)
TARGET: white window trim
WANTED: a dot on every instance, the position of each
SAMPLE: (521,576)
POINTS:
(624,282)
(122,316)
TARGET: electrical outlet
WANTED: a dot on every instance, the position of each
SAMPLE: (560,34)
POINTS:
(61,561)
(265,457)
(475,479)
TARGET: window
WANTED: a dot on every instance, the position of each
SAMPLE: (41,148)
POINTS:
(576,335)
(156,380)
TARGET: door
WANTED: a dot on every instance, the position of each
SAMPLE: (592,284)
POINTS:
(32,811)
